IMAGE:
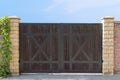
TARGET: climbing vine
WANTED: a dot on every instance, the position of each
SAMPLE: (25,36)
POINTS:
(5,45)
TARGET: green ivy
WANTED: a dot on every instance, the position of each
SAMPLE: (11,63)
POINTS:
(5,50)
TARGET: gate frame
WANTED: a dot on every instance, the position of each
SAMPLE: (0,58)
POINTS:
(107,45)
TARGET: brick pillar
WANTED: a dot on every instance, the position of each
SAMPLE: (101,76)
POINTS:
(108,45)
(14,37)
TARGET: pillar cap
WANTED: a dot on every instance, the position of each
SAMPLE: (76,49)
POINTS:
(108,17)
(14,17)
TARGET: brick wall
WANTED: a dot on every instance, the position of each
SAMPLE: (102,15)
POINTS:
(117,47)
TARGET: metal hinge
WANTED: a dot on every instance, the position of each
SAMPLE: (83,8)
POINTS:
(19,61)
(102,61)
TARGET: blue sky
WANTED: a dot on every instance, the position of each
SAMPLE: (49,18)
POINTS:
(60,11)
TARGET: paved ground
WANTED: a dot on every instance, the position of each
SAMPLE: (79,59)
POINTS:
(62,77)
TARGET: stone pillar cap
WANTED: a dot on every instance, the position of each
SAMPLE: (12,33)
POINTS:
(14,17)
(108,17)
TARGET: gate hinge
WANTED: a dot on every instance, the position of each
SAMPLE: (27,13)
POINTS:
(102,61)
(19,61)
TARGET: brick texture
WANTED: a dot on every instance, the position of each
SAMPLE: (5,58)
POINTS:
(108,45)
(117,48)
(14,37)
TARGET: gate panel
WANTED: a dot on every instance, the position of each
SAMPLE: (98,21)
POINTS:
(60,48)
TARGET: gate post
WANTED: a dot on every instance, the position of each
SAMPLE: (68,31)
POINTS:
(108,45)
(14,37)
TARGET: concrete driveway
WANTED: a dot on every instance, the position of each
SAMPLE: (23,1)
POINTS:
(62,77)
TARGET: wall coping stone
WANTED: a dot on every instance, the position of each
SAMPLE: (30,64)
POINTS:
(14,17)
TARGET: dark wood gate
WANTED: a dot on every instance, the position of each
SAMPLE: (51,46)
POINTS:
(60,48)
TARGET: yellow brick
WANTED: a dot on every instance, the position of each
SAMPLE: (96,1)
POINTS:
(108,40)
(107,73)
(108,36)
(105,70)
(107,24)
(14,36)
(111,32)
(14,28)
(16,44)
(14,24)
(14,47)
(15,52)
(16,67)
(14,41)
(17,63)
(16,59)
(108,51)
(111,55)
(108,47)
(107,28)
(111,66)
(108,43)
(107,21)
(106,60)
(14,32)
(12,66)
(15,73)
(16,70)
(106,32)
(105,63)
(111,71)
(15,55)
(11,70)
(111,61)
(105,56)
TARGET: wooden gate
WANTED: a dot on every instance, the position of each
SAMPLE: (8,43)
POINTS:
(60,48)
